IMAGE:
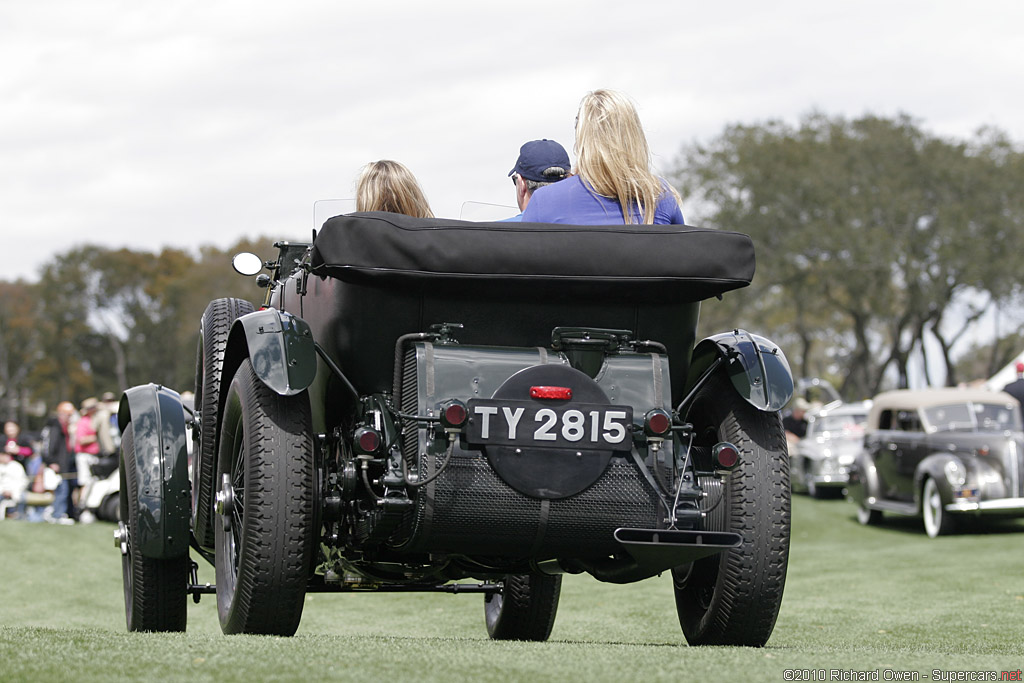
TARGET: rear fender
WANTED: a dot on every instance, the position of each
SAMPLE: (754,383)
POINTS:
(280,347)
(756,366)
(161,466)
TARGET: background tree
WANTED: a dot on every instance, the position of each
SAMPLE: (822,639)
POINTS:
(869,233)
(104,319)
(19,348)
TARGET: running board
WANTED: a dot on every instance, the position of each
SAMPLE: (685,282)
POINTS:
(892,506)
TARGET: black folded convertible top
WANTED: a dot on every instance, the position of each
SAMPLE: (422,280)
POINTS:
(673,262)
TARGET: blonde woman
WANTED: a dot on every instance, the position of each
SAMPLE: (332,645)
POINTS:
(389,186)
(612,181)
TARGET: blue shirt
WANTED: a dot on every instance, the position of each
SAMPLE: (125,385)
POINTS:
(571,201)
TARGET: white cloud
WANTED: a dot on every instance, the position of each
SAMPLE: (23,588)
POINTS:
(184,123)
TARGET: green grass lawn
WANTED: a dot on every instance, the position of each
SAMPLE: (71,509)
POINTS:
(857,598)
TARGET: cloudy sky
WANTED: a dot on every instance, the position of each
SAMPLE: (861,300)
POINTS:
(183,122)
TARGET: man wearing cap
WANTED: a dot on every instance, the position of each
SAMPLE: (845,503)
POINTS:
(540,163)
(1016,389)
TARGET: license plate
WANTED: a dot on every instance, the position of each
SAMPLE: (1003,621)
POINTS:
(526,423)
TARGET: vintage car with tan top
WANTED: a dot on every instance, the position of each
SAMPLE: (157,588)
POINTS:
(942,454)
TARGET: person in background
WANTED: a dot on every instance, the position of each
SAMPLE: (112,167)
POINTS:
(1016,388)
(110,403)
(101,423)
(795,423)
(59,457)
(540,163)
(389,186)
(13,482)
(612,182)
(19,447)
(87,447)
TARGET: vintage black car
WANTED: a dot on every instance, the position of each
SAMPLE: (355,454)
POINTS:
(439,405)
(942,454)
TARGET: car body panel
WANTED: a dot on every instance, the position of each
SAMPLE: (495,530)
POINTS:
(280,347)
(834,439)
(161,466)
(757,367)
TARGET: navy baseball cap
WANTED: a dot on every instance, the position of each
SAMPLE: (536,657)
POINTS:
(538,156)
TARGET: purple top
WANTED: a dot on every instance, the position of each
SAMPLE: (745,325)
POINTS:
(570,201)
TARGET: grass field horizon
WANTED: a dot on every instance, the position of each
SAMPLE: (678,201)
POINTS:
(881,599)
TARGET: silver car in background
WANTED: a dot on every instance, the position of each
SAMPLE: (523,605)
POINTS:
(820,462)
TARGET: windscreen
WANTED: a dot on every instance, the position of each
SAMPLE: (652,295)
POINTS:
(973,417)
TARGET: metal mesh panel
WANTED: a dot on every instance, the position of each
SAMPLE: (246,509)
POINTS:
(470,510)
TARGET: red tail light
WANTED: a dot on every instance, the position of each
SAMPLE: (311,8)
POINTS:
(366,440)
(453,414)
(726,455)
(657,422)
(560,393)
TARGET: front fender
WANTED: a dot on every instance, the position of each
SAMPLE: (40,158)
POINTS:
(280,347)
(756,366)
(864,481)
(978,475)
(161,465)
(933,466)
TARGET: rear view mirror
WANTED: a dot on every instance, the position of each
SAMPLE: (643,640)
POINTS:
(247,263)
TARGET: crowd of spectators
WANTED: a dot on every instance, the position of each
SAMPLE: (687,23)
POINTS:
(43,477)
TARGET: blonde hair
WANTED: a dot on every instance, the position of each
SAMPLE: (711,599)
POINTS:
(389,186)
(612,156)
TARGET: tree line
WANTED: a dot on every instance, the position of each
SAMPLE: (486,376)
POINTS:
(101,319)
(876,241)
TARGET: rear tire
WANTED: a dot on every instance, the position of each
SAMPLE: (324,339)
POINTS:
(525,610)
(733,598)
(154,590)
(265,531)
(213,340)
(110,509)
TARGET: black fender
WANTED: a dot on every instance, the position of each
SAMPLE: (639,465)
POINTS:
(161,465)
(756,366)
(280,347)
